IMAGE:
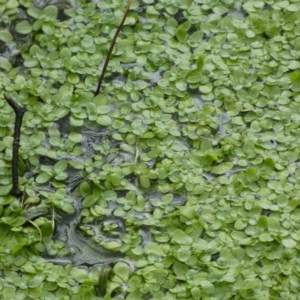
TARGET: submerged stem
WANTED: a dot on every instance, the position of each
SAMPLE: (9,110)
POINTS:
(19,112)
(111,49)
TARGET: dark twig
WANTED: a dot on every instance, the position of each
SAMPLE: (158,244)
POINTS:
(19,112)
(111,49)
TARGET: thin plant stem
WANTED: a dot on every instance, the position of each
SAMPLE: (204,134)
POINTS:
(19,112)
(111,49)
(38,228)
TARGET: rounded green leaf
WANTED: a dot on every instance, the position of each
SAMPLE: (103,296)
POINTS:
(75,137)
(181,85)
(194,76)
(222,168)
(89,200)
(200,63)
(8,293)
(68,208)
(112,245)
(24,27)
(5,64)
(73,78)
(181,34)
(50,12)
(196,293)
(34,12)
(181,238)
(60,166)
(103,109)
(48,28)
(115,179)
(6,36)
(79,274)
(289,242)
(205,89)
(122,270)
(145,182)
(85,189)
(104,120)
(42,178)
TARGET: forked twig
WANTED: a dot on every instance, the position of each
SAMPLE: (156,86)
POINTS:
(111,49)
(19,112)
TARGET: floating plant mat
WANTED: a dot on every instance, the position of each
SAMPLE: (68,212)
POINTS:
(181,175)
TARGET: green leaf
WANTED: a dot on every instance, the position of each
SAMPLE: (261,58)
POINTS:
(183,255)
(222,168)
(34,12)
(42,178)
(194,76)
(79,274)
(50,12)
(112,245)
(8,293)
(180,269)
(154,248)
(4,190)
(60,166)
(292,7)
(181,238)
(87,42)
(207,286)
(295,77)
(195,159)
(251,283)
(196,37)
(104,120)
(200,63)
(73,78)
(68,208)
(115,179)
(18,221)
(75,137)
(5,64)
(6,36)
(181,34)
(122,270)
(85,189)
(30,63)
(24,27)
(196,293)
(145,182)
(187,212)
(181,85)
(289,242)
(103,109)
(205,89)
(89,200)
(274,224)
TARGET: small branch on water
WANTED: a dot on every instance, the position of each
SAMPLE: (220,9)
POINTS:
(111,49)
(19,112)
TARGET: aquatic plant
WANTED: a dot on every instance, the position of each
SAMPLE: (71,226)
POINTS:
(186,164)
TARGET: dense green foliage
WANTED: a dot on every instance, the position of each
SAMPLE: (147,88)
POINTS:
(194,155)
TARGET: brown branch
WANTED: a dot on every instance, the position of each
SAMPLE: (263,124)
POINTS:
(111,49)
(19,112)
